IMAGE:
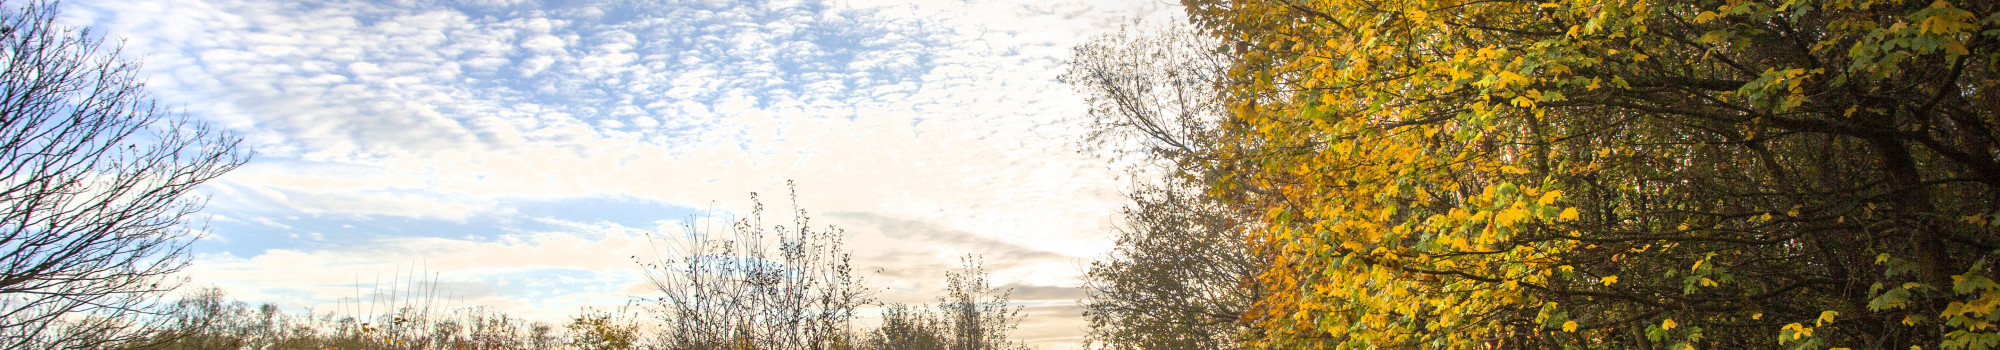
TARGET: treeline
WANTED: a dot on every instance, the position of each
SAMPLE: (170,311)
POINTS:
(1624,174)
(750,287)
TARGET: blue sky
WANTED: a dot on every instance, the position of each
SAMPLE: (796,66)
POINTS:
(521,150)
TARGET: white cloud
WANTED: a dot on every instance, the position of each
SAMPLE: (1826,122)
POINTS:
(544,43)
(944,115)
(278,274)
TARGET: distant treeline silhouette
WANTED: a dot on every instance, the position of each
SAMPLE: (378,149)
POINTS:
(751,287)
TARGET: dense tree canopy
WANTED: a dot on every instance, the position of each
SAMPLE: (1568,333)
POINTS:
(1612,173)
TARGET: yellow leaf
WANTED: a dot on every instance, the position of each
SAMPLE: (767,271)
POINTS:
(1569,326)
(1975,219)
(1668,324)
(1568,214)
(1508,217)
(1523,101)
(1757,316)
(1825,317)
(1608,280)
(1799,331)
(1550,198)
(1706,16)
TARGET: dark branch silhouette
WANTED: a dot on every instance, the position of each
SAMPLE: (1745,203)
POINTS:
(96,186)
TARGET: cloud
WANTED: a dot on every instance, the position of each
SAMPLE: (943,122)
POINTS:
(1004,254)
(917,124)
(1034,292)
(593,267)
(1051,324)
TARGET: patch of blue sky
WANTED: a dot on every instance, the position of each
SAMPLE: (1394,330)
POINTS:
(500,135)
(246,233)
(547,283)
(611,53)
(410,285)
(625,211)
(365,79)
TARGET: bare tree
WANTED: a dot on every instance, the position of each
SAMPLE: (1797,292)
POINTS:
(541,336)
(741,290)
(978,315)
(758,287)
(970,316)
(96,186)
(1152,94)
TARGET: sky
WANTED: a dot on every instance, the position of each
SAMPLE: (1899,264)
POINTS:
(520,152)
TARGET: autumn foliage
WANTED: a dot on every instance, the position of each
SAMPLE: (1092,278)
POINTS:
(1612,173)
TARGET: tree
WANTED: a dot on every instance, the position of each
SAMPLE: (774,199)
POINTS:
(1627,174)
(905,329)
(977,316)
(970,316)
(205,319)
(741,289)
(603,330)
(1151,93)
(1179,275)
(95,186)
(1178,278)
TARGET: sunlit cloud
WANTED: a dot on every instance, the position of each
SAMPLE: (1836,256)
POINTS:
(452,135)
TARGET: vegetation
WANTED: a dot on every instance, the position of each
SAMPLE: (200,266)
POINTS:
(1796,174)
(1176,279)
(94,202)
(1593,174)
(747,290)
(206,319)
(971,315)
(724,293)
(95,184)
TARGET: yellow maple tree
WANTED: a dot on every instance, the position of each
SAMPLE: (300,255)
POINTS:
(1480,174)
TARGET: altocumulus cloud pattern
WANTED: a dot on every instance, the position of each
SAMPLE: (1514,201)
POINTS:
(521,150)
